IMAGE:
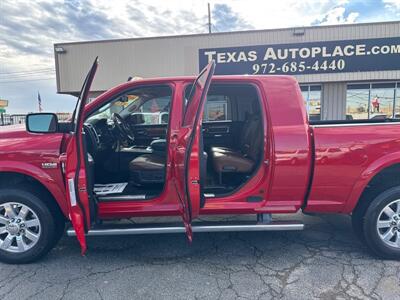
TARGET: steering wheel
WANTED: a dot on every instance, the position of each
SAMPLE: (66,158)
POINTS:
(123,128)
(91,139)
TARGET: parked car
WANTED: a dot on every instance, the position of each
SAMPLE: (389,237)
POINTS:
(263,158)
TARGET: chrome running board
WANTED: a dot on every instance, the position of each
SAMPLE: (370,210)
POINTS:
(196,227)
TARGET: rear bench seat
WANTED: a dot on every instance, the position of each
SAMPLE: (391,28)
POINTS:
(244,159)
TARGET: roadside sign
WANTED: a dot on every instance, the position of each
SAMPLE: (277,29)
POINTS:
(2,110)
(3,103)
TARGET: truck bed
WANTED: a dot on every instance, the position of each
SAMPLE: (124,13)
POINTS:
(346,155)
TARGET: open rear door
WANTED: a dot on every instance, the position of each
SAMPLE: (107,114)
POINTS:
(189,162)
(75,160)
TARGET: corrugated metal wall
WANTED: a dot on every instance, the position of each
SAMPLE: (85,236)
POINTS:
(333,101)
(178,55)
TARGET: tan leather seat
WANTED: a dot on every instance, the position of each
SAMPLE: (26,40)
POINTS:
(232,162)
(243,160)
(147,162)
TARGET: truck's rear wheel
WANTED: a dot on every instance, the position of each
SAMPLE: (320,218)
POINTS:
(27,227)
(382,224)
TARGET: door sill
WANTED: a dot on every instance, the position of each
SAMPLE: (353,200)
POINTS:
(107,230)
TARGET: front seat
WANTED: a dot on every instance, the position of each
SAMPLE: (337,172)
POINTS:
(147,169)
(244,160)
(150,168)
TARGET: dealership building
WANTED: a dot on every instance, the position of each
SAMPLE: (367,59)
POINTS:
(344,71)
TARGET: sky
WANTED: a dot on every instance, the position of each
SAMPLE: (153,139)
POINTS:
(28,30)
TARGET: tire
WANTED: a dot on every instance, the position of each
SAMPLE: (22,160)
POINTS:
(45,233)
(59,228)
(357,223)
(377,211)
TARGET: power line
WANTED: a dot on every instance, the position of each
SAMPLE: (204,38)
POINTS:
(26,74)
(22,76)
(16,81)
(28,71)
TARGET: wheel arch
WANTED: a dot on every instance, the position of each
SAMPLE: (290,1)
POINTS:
(39,179)
(373,181)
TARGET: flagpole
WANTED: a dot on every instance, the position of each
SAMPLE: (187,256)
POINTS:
(39,102)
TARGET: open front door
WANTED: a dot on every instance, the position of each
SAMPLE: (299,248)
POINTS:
(75,160)
(189,160)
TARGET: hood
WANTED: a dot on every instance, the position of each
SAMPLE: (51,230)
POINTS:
(15,139)
(12,130)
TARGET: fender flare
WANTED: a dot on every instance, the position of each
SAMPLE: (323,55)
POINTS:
(367,175)
(39,175)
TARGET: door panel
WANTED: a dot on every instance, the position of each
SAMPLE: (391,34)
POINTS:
(188,150)
(76,161)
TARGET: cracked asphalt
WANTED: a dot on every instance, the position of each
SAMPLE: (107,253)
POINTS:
(325,261)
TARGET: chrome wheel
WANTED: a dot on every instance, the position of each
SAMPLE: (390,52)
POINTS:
(20,227)
(388,224)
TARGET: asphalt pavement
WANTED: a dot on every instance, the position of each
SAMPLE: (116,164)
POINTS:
(325,261)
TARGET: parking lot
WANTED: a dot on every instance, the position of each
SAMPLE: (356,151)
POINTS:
(325,261)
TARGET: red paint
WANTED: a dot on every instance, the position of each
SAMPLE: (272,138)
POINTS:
(346,159)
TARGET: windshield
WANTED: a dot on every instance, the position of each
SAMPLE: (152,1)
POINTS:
(150,105)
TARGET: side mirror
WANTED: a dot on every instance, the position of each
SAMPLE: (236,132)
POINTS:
(42,123)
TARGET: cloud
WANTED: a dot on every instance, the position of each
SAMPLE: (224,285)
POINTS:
(28,29)
(337,15)
(225,19)
(393,5)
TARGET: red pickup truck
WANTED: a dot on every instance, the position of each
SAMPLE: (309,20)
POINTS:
(189,147)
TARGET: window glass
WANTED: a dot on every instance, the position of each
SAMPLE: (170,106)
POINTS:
(312,100)
(314,104)
(146,105)
(154,111)
(371,101)
(305,98)
(397,107)
(357,100)
(216,108)
(382,96)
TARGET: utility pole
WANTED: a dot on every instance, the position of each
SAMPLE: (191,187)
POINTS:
(209,18)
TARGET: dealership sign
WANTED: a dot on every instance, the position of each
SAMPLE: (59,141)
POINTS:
(306,58)
(3,103)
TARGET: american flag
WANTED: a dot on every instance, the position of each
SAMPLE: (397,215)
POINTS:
(39,102)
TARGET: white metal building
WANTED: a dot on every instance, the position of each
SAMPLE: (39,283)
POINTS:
(345,71)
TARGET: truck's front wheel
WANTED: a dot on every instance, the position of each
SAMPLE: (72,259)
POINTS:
(27,227)
(382,224)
